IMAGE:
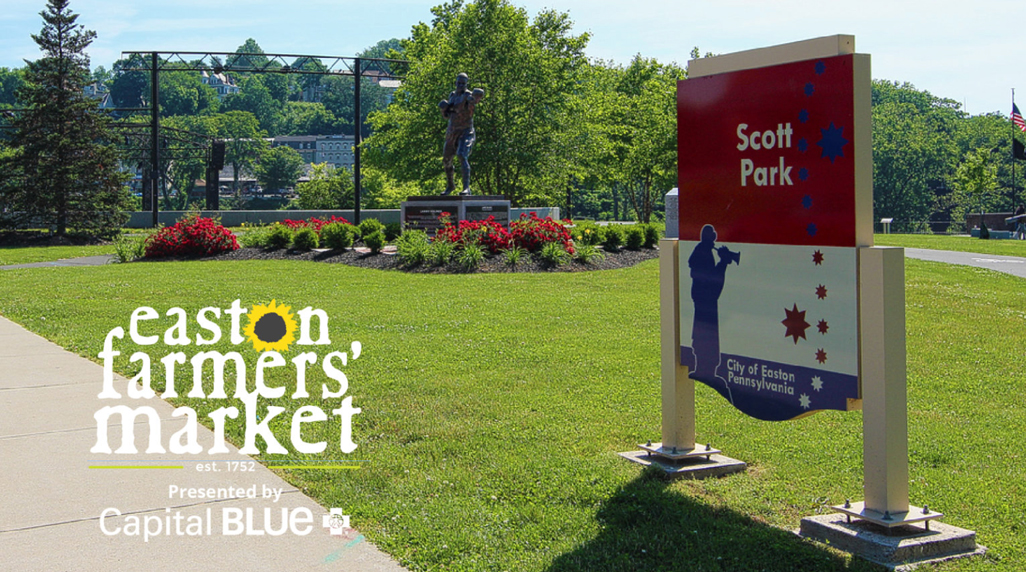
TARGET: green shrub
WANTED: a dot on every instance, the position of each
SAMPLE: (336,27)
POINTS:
(128,248)
(413,247)
(588,252)
(586,232)
(305,239)
(256,237)
(554,254)
(441,252)
(470,257)
(515,254)
(634,236)
(652,235)
(338,236)
(280,236)
(370,226)
(612,237)
(392,231)
(375,241)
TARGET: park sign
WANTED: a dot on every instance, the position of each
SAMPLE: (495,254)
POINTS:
(773,205)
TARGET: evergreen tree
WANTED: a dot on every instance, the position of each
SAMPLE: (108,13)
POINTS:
(64,173)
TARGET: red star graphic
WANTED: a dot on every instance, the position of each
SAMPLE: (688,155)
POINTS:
(821,355)
(795,324)
(823,327)
(817,258)
(821,291)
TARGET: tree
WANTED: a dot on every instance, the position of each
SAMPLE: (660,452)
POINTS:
(10,82)
(65,174)
(328,188)
(182,171)
(244,141)
(975,183)
(528,69)
(183,93)
(279,168)
(130,88)
(302,118)
(255,98)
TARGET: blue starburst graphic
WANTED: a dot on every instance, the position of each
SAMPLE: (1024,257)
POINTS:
(803,115)
(811,229)
(807,202)
(809,89)
(833,142)
(803,145)
(803,173)
(820,68)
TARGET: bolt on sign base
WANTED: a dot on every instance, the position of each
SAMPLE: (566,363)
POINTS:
(698,463)
(902,547)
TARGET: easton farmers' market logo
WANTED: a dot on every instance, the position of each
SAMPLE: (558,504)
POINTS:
(270,329)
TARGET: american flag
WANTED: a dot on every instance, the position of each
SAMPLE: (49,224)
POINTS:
(1017,118)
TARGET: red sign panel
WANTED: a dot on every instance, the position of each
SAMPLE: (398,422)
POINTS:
(766,155)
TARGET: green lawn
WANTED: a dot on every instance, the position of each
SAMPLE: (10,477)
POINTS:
(494,405)
(959,243)
(28,254)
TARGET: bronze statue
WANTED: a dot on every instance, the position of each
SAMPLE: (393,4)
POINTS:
(459,137)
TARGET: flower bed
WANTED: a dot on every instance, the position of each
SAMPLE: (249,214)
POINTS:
(192,236)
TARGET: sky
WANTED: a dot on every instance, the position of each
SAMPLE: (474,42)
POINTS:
(969,52)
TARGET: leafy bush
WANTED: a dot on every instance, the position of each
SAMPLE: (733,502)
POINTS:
(192,236)
(612,237)
(392,231)
(586,232)
(470,257)
(588,252)
(305,239)
(652,235)
(338,236)
(634,236)
(280,236)
(532,233)
(441,252)
(255,237)
(128,248)
(370,226)
(413,247)
(514,254)
(553,253)
(375,241)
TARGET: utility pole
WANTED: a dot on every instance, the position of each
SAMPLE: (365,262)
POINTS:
(357,139)
(154,137)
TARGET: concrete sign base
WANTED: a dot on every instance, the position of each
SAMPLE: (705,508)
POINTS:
(901,548)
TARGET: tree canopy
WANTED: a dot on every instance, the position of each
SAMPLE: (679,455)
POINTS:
(63,173)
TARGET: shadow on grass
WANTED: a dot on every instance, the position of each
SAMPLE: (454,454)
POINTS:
(647,526)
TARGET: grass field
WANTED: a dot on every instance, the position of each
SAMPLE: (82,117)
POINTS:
(494,405)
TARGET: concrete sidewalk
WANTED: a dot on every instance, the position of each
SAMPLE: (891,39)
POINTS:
(1013,265)
(98,260)
(52,499)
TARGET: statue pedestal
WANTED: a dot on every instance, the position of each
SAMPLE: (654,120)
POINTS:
(421,213)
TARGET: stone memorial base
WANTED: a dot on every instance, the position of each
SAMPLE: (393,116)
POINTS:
(900,548)
(422,213)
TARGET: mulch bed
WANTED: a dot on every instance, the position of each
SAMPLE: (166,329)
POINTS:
(388,261)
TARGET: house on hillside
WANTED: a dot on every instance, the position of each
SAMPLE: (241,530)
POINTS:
(223,84)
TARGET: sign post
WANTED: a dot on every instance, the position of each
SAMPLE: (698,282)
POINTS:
(773,294)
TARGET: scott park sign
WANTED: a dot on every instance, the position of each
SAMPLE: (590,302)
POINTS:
(774,295)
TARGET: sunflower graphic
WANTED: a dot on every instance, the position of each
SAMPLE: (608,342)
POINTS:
(271,327)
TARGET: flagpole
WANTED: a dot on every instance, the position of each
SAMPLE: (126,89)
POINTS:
(1013,154)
